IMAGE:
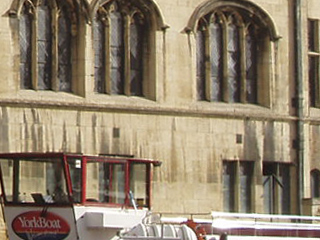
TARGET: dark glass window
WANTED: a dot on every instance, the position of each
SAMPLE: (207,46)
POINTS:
(314,56)
(64,50)
(117,53)
(237,186)
(313,79)
(99,55)
(315,183)
(216,61)
(227,59)
(233,58)
(229,182)
(313,35)
(136,54)
(44,46)
(251,66)
(246,173)
(201,62)
(284,177)
(276,188)
(25,26)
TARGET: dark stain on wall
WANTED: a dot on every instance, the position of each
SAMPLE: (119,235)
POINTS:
(250,143)
(268,141)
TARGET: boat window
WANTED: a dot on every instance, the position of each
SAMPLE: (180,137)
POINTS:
(75,169)
(138,184)
(105,182)
(34,181)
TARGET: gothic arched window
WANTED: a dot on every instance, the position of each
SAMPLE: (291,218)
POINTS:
(228,63)
(46,44)
(120,43)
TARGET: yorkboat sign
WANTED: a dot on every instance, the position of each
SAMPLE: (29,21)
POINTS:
(39,225)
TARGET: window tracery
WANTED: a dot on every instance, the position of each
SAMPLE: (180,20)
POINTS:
(46,35)
(120,35)
(229,44)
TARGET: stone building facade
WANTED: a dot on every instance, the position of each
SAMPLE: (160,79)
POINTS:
(224,92)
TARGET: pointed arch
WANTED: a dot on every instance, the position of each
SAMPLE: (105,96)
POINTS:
(16,6)
(257,14)
(53,34)
(230,34)
(150,8)
(123,37)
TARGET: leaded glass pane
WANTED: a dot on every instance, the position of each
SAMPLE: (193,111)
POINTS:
(229,173)
(201,74)
(251,66)
(25,40)
(267,194)
(216,65)
(64,51)
(315,183)
(117,53)
(233,64)
(100,56)
(313,79)
(246,173)
(44,47)
(136,54)
(312,36)
(269,171)
(284,178)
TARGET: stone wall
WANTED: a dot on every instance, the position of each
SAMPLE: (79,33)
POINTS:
(191,138)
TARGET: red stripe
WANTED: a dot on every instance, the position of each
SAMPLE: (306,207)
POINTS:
(269,232)
(272,232)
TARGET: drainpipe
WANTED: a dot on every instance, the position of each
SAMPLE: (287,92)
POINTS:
(300,102)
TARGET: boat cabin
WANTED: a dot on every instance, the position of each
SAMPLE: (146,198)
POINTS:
(73,196)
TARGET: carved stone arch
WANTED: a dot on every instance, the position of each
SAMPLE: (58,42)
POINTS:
(137,15)
(114,6)
(236,18)
(248,26)
(75,7)
(148,7)
(219,14)
(257,13)
(82,7)
(16,6)
(221,17)
(213,16)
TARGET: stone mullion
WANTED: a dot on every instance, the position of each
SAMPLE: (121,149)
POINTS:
(34,54)
(242,44)
(126,32)
(317,70)
(107,33)
(55,29)
(225,62)
(208,82)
